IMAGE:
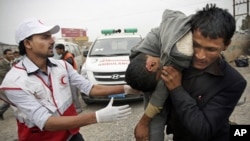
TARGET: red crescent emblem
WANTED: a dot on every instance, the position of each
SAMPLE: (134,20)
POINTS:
(63,80)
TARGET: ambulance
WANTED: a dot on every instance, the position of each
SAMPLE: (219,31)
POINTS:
(107,60)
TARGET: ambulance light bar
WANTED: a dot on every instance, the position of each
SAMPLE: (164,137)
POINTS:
(130,30)
(111,31)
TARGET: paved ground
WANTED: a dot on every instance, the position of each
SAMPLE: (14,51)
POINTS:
(123,130)
(241,114)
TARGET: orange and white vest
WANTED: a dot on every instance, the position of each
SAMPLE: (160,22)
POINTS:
(70,55)
(56,98)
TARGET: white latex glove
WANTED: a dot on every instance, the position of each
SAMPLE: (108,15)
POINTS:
(112,113)
(129,90)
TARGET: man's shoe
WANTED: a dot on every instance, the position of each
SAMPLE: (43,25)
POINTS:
(1,117)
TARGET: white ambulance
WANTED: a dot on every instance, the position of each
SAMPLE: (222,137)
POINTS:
(107,60)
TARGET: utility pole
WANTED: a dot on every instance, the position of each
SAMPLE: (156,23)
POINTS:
(246,20)
(238,3)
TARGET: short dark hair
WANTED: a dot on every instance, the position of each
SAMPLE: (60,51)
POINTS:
(214,22)
(6,50)
(21,47)
(137,75)
(60,46)
(16,52)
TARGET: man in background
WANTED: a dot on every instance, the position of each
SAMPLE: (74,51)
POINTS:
(5,65)
(17,57)
(66,55)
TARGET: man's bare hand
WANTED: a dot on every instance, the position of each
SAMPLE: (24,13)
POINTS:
(141,131)
(171,77)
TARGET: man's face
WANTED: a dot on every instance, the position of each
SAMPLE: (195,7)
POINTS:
(206,50)
(16,55)
(59,51)
(41,45)
(9,55)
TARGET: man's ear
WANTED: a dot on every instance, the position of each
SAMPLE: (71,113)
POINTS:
(150,66)
(26,43)
(227,44)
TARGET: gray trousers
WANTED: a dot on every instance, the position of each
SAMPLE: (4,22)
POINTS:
(75,96)
(4,107)
(158,123)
